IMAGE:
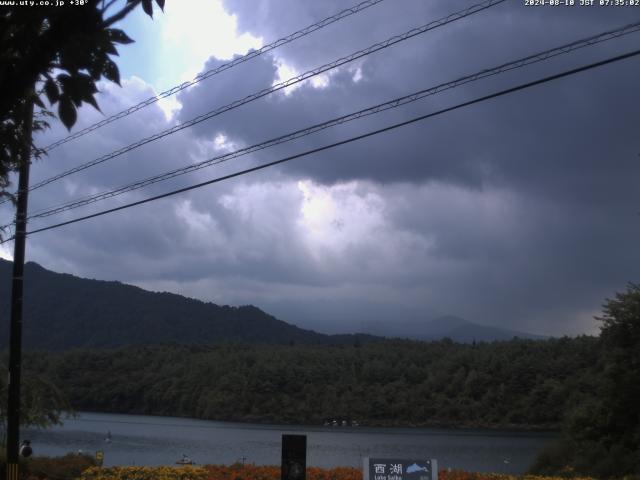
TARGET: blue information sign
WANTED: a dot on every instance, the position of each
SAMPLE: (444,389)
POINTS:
(399,469)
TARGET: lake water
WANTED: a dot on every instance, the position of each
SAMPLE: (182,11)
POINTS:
(146,440)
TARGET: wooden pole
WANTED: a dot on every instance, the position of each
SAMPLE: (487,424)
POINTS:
(15,335)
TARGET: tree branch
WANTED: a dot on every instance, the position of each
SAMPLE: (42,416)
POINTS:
(107,6)
(121,14)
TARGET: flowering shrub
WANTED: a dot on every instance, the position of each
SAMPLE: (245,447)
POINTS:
(255,472)
(338,473)
(145,473)
(242,472)
(462,475)
(39,468)
(270,472)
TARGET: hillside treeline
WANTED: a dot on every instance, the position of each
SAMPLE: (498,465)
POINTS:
(520,383)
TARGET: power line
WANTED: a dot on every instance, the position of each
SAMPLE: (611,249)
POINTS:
(204,75)
(397,102)
(343,142)
(279,86)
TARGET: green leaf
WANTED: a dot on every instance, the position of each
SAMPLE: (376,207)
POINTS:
(90,99)
(64,79)
(67,112)
(147,6)
(85,88)
(74,55)
(79,87)
(96,67)
(37,101)
(51,89)
(110,71)
(66,87)
(118,36)
(109,48)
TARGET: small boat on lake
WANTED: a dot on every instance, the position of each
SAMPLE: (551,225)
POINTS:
(185,460)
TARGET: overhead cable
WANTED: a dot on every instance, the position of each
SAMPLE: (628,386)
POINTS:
(397,102)
(279,86)
(344,142)
(221,68)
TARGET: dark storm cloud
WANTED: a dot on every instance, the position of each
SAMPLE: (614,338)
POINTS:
(569,149)
(534,128)
(519,212)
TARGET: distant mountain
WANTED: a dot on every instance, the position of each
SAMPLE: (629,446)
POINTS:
(468,332)
(455,328)
(63,311)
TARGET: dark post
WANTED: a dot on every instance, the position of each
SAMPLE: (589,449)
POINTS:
(15,336)
(294,457)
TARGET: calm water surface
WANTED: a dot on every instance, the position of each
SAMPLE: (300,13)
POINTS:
(146,440)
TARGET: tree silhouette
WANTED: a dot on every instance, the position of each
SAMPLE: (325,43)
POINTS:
(601,435)
(58,53)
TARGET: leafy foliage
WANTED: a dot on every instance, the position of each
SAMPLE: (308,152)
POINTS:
(54,468)
(41,404)
(216,472)
(272,472)
(462,475)
(520,383)
(145,473)
(601,434)
(67,466)
(59,53)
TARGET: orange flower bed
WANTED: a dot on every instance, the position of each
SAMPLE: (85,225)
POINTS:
(462,475)
(145,473)
(256,472)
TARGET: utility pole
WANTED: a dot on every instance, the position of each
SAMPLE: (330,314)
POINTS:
(15,336)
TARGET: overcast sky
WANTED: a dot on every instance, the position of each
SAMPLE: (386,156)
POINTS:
(520,212)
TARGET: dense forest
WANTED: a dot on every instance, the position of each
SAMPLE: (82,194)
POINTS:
(586,387)
(520,383)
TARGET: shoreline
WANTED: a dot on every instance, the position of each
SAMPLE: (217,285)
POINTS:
(381,426)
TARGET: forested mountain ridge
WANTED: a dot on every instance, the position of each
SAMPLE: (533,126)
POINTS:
(63,311)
